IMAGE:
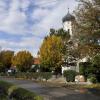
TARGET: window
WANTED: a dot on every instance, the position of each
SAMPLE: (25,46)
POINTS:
(68,30)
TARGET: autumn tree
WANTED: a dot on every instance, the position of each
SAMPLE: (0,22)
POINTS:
(88,26)
(65,36)
(51,52)
(23,61)
(5,59)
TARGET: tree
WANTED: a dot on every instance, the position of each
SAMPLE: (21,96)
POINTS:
(91,68)
(5,58)
(96,65)
(96,60)
(88,25)
(60,32)
(51,52)
(23,61)
(65,36)
(2,68)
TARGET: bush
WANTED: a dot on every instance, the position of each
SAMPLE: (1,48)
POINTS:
(17,94)
(4,90)
(70,75)
(36,75)
(12,92)
(92,79)
(3,74)
(46,75)
(85,68)
(4,86)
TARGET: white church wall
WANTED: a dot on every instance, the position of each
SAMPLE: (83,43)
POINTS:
(68,68)
(68,26)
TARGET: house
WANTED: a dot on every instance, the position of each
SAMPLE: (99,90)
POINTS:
(36,64)
(36,61)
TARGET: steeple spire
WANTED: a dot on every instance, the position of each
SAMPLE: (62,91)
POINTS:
(68,9)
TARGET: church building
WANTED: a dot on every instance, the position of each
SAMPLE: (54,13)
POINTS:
(71,62)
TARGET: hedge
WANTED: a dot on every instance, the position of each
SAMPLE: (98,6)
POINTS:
(30,75)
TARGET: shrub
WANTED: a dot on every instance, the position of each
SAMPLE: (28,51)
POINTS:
(11,92)
(86,68)
(92,79)
(17,94)
(70,75)
(3,74)
(4,90)
(38,98)
(3,93)
(4,86)
(46,75)
(35,75)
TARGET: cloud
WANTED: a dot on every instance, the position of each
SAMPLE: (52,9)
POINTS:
(31,44)
(15,20)
(49,18)
(30,20)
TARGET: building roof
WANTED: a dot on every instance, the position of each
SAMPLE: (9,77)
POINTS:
(68,17)
(36,61)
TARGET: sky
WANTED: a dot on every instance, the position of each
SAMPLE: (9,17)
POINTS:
(24,23)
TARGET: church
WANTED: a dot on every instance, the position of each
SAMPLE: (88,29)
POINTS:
(71,62)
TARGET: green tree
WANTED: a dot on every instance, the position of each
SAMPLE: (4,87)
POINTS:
(96,60)
(96,65)
(60,32)
(51,52)
(23,61)
(88,25)
(5,58)
(2,68)
(91,68)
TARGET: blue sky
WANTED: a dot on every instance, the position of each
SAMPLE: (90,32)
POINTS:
(24,23)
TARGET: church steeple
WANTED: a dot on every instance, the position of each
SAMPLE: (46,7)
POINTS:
(68,17)
(68,22)
(68,10)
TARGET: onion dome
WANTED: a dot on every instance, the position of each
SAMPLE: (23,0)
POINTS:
(68,17)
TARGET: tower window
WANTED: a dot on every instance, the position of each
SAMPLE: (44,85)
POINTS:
(68,30)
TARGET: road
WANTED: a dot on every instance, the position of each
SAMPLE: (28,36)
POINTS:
(53,93)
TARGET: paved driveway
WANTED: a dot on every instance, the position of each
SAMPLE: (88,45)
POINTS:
(54,93)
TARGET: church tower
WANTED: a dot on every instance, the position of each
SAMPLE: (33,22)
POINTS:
(68,23)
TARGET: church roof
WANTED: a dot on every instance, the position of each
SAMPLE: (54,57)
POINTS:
(68,17)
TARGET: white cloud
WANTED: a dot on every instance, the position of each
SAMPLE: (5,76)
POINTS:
(15,21)
(26,43)
(39,14)
(43,15)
